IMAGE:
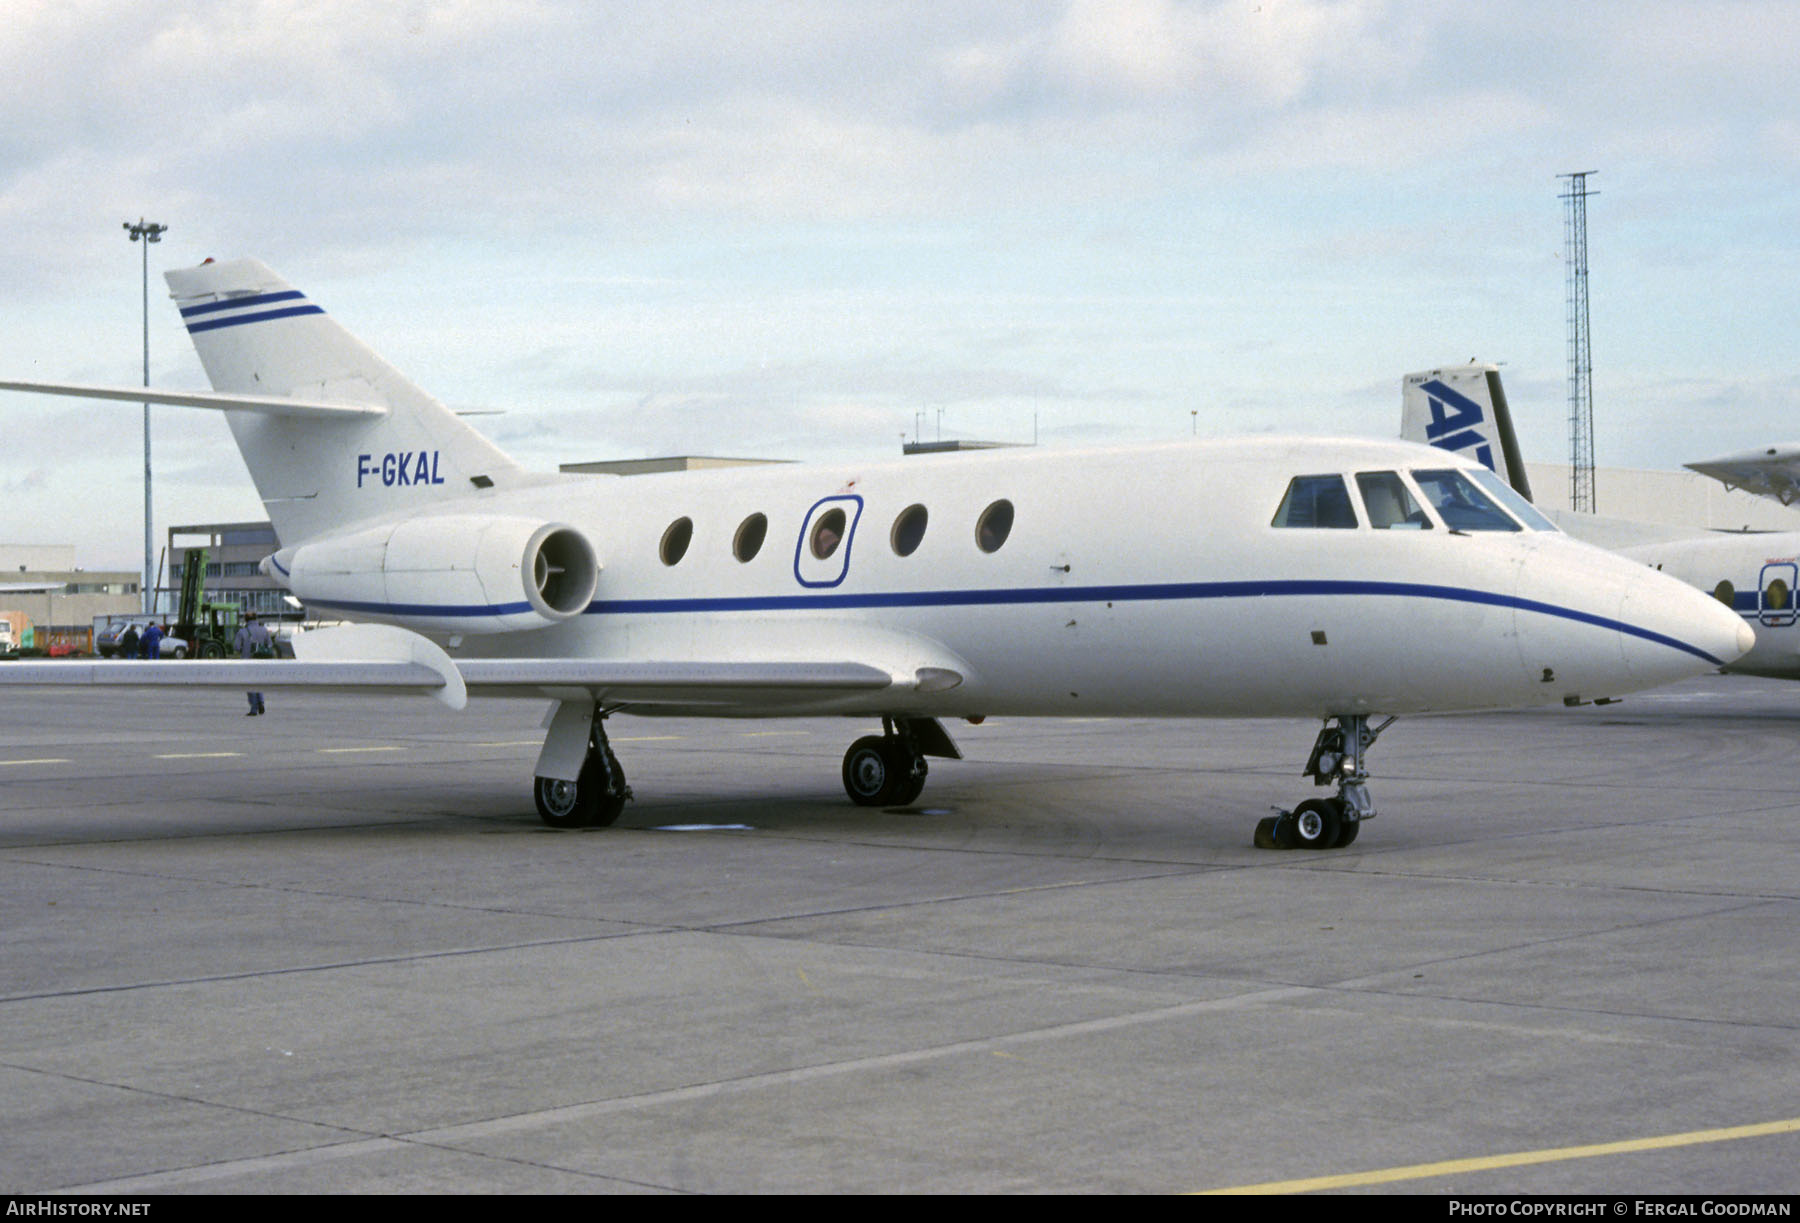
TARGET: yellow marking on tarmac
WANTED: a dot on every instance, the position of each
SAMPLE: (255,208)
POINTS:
(512,743)
(1518,1159)
(196,755)
(764,734)
(43,760)
(338,751)
(648,738)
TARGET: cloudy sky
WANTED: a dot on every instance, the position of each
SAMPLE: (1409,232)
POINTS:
(805,229)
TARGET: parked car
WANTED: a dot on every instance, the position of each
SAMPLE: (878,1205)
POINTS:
(106,638)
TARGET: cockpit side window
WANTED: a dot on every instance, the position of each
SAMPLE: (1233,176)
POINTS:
(1316,501)
(1461,505)
(1388,503)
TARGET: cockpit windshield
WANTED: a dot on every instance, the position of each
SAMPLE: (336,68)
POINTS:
(1461,505)
(1462,499)
(1507,496)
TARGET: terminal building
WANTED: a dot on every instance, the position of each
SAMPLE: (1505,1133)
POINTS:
(47,602)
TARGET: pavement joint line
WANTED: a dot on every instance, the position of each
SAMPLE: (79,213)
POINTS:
(1516,1159)
(449,1137)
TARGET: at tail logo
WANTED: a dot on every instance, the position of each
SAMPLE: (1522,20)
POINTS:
(1456,421)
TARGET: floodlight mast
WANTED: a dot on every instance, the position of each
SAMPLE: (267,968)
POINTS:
(150,232)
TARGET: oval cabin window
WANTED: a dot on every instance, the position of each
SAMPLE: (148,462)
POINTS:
(749,538)
(827,533)
(909,530)
(676,539)
(994,526)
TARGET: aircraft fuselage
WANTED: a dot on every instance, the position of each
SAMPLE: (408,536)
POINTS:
(1144,580)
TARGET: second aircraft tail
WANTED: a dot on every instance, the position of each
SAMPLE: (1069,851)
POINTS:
(1463,408)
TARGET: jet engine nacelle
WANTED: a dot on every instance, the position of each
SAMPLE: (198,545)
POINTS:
(452,573)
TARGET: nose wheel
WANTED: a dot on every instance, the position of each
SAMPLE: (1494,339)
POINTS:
(1336,759)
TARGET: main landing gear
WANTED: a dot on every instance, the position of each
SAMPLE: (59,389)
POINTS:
(597,796)
(888,770)
(1329,823)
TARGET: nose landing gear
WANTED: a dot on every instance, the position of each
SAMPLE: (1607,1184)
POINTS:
(1337,758)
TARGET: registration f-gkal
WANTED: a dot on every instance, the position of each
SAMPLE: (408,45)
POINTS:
(1269,577)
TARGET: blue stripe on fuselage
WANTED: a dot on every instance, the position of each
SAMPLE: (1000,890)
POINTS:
(1134,593)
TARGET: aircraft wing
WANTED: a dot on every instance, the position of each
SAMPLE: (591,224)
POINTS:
(721,684)
(1768,471)
(375,658)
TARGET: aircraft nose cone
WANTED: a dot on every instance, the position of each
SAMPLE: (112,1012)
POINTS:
(1697,624)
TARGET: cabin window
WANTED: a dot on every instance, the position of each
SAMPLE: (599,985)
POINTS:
(1388,503)
(676,539)
(1726,593)
(822,552)
(1316,501)
(749,538)
(909,530)
(1461,505)
(827,533)
(994,525)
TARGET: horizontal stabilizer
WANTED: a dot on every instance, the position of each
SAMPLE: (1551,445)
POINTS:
(1767,471)
(267,405)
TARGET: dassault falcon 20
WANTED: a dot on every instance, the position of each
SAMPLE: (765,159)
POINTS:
(1333,578)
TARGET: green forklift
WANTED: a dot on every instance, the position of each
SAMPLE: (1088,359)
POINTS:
(208,628)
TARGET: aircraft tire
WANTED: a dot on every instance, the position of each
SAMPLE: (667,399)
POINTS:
(585,803)
(1316,824)
(907,784)
(869,772)
(558,801)
(611,800)
(1347,831)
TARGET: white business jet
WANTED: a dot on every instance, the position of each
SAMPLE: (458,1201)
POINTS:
(1331,578)
(1756,573)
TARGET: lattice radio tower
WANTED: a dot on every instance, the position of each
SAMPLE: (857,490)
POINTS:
(1581,367)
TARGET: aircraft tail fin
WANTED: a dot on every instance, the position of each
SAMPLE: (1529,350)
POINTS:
(1463,408)
(257,335)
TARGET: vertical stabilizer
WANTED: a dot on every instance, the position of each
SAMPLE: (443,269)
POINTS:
(258,335)
(1463,408)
